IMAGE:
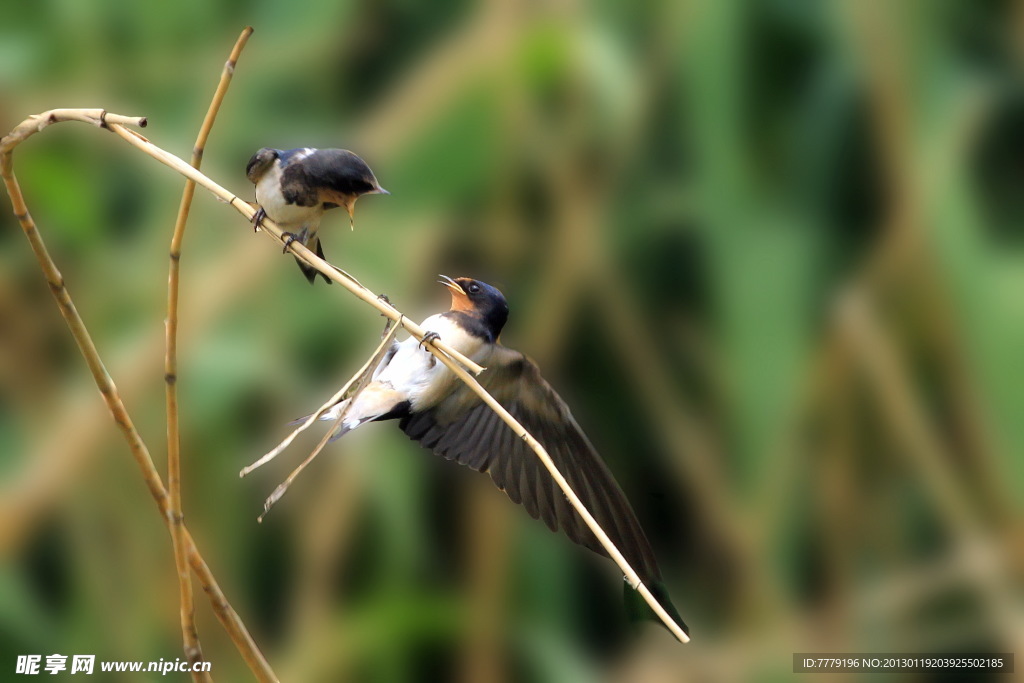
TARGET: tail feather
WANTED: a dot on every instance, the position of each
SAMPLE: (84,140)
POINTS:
(341,431)
(374,403)
(329,414)
(309,271)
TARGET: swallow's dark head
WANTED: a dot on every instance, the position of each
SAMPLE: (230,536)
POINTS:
(260,162)
(478,300)
(358,173)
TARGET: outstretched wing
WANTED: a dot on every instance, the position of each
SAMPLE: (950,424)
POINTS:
(464,429)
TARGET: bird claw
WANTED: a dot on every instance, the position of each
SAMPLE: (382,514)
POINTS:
(384,298)
(429,338)
(257,219)
(288,239)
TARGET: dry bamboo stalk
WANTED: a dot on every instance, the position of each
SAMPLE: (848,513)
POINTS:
(190,634)
(37,122)
(34,124)
(227,616)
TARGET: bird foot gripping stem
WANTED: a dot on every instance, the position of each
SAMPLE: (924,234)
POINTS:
(257,219)
(288,239)
(429,338)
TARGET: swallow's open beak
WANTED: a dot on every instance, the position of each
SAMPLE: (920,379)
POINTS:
(451,284)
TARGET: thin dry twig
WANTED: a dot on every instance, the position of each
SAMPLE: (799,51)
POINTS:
(190,634)
(389,334)
(99,117)
(361,379)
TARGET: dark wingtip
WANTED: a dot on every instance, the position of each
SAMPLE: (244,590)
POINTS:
(638,610)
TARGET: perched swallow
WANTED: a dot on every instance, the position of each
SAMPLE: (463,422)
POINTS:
(296,186)
(435,408)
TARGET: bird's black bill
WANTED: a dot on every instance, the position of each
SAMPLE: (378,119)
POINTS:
(451,284)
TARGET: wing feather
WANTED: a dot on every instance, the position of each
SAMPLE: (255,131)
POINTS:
(338,174)
(464,429)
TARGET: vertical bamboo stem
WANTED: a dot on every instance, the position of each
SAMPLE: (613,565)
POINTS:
(190,634)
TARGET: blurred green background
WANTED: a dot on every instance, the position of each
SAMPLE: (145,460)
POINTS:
(770,252)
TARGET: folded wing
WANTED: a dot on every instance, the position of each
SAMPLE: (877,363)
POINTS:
(339,175)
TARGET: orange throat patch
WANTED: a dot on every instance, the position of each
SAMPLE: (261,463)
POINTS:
(461,302)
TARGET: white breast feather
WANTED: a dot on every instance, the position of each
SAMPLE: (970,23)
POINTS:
(289,216)
(421,377)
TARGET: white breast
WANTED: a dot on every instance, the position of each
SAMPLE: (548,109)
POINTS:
(288,216)
(421,377)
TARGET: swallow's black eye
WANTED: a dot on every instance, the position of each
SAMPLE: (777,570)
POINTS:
(474,288)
